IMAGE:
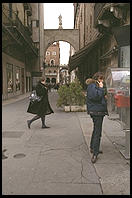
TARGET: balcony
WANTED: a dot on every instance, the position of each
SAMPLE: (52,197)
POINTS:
(50,74)
(98,8)
(12,24)
(110,14)
(28,8)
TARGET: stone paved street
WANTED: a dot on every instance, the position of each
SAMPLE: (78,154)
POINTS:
(57,160)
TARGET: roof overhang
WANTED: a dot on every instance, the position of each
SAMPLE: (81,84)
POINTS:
(77,59)
(122,35)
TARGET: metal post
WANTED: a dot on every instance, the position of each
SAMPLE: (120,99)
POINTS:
(126,130)
(126,152)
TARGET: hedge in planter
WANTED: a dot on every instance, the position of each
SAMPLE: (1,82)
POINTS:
(71,95)
(64,96)
(76,93)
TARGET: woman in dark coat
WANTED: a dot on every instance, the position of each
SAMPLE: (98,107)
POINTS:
(42,108)
(97,108)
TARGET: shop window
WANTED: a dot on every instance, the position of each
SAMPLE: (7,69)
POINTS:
(17,78)
(9,70)
(125,56)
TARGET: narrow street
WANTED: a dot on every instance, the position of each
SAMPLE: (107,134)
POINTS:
(57,161)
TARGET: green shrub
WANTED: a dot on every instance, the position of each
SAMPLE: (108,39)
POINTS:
(71,95)
(64,96)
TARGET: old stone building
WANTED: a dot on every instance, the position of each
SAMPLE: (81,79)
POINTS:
(52,63)
(104,35)
(22,47)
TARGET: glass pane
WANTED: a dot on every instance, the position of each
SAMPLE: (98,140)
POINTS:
(9,70)
(17,78)
(125,56)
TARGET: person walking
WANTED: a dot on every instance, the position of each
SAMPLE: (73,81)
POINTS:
(41,108)
(96,100)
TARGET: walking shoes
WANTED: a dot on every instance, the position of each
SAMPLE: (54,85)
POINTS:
(28,123)
(45,127)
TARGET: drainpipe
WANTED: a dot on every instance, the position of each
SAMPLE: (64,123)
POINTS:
(84,22)
(39,34)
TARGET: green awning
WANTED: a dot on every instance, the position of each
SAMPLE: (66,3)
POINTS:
(77,59)
(122,35)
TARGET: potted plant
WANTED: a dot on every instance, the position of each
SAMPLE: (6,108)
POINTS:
(72,97)
(64,97)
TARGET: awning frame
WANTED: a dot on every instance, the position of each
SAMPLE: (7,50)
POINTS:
(76,59)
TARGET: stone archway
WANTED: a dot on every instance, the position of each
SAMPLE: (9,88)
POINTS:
(67,35)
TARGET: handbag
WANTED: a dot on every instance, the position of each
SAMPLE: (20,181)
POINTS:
(34,98)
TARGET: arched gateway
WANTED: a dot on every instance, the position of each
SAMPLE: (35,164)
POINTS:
(68,35)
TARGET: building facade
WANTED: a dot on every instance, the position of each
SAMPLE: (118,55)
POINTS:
(52,63)
(104,38)
(22,50)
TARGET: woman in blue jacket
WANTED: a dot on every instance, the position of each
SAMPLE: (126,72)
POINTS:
(97,108)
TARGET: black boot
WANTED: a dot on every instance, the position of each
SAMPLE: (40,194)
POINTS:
(43,123)
(33,119)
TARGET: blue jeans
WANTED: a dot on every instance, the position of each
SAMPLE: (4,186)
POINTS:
(96,135)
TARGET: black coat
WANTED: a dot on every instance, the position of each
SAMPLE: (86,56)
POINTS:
(96,102)
(43,107)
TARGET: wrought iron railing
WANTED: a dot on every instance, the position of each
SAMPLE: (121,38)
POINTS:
(28,7)
(97,9)
(12,20)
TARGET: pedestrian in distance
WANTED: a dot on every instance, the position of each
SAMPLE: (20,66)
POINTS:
(41,108)
(96,100)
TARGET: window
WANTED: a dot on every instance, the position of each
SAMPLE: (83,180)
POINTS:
(47,53)
(90,21)
(52,62)
(81,18)
(9,70)
(35,23)
(17,78)
(10,10)
(54,53)
(125,56)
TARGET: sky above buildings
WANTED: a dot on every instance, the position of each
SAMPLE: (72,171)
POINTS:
(51,13)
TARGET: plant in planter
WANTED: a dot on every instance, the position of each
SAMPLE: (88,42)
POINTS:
(64,96)
(76,93)
(71,95)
